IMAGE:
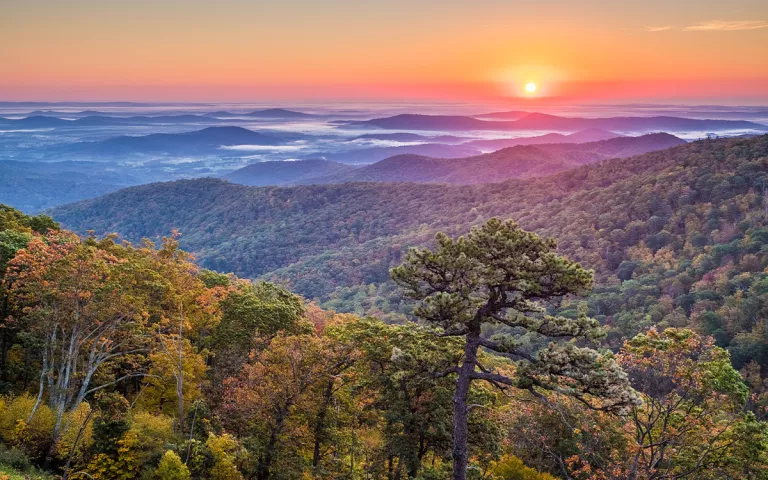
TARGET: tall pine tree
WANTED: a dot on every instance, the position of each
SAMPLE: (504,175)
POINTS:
(500,275)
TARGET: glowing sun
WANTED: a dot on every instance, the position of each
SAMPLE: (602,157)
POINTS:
(530,87)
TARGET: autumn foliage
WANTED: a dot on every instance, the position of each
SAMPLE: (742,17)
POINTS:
(131,362)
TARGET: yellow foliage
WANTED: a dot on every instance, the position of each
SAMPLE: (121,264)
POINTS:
(510,467)
(171,468)
(152,433)
(33,437)
(73,421)
(161,390)
(223,449)
(124,467)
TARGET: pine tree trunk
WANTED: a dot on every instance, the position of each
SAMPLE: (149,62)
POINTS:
(460,410)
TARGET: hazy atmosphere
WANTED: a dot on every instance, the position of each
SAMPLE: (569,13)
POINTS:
(426,240)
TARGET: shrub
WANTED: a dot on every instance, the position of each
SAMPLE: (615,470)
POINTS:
(153,434)
(111,423)
(198,458)
(510,467)
(33,437)
(15,458)
(121,465)
(171,468)
(223,449)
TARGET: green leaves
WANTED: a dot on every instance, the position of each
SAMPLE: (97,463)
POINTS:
(501,275)
(257,309)
(577,372)
(11,241)
(497,268)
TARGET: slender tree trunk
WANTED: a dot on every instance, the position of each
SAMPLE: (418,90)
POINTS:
(44,373)
(423,449)
(56,433)
(41,387)
(65,476)
(180,366)
(320,424)
(460,411)
(191,433)
(265,466)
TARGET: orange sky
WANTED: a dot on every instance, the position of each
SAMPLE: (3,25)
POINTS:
(247,50)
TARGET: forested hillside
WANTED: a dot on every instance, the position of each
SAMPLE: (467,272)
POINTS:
(675,236)
(275,227)
(122,361)
(282,173)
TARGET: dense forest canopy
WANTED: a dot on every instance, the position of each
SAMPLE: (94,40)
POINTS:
(129,361)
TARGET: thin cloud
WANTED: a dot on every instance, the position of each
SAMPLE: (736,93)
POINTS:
(726,26)
(660,28)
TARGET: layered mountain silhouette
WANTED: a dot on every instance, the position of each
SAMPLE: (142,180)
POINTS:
(34,186)
(195,142)
(584,136)
(522,161)
(269,113)
(541,121)
(374,154)
(44,121)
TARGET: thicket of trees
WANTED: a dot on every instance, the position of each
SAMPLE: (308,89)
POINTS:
(129,361)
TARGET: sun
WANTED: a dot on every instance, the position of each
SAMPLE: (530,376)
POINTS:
(530,87)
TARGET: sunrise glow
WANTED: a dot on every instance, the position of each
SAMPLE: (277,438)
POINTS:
(302,49)
(530,87)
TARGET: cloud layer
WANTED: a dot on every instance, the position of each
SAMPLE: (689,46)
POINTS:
(726,26)
(659,28)
(714,26)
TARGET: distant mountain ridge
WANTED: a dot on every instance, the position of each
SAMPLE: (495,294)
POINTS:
(95,117)
(541,121)
(269,113)
(508,115)
(207,139)
(44,121)
(583,136)
(374,154)
(412,121)
(521,161)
